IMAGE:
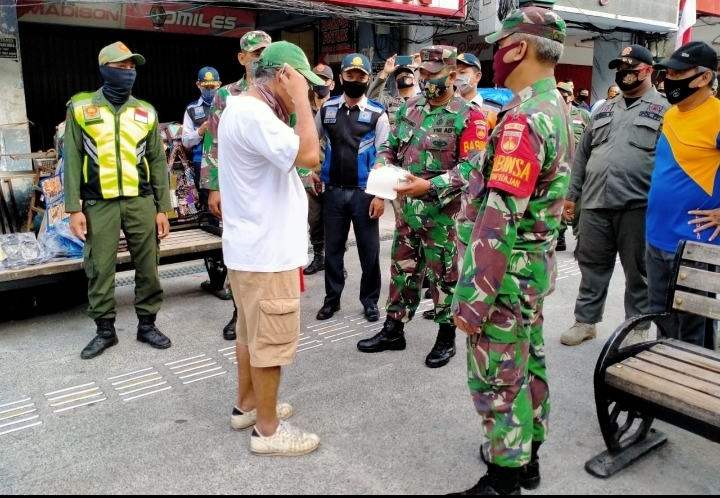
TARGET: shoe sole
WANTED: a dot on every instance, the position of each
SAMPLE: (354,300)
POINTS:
(282,453)
(586,338)
(530,484)
(230,338)
(153,345)
(380,350)
(372,318)
(90,357)
(438,365)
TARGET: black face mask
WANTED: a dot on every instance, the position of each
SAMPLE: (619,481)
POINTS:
(118,83)
(354,89)
(628,79)
(405,82)
(678,90)
(321,91)
(582,98)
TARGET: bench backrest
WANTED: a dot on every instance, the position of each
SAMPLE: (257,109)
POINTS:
(695,271)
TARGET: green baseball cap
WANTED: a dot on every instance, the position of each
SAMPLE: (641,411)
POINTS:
(532,21)
(254,40)
(118,52)
(437,57)
(278,54)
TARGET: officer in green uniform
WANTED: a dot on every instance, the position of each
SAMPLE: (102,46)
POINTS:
(116,178)
(512,208)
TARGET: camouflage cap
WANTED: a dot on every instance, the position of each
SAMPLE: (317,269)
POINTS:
(437,57)
(532,21)
(565,87)
(254,40)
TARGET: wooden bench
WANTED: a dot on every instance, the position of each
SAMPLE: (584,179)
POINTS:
(179,246)
(672,381)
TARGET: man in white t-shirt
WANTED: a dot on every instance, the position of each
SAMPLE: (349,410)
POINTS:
(265,236)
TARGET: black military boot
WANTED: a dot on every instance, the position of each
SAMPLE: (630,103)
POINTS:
(318,262)
(530,473)
(390,338)
(105,338)
(229,330)
(497,481)
(444,347)
(149,333)
(561,245)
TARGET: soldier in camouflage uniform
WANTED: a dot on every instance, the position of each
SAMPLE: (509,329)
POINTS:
(435,137)
(252,45)
(579,119)
(507,231)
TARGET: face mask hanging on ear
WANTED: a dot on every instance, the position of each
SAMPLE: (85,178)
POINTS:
(501,68)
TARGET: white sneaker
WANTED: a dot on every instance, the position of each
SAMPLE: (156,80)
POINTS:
(578,333)
(635,337)
(241,421)
(287,441)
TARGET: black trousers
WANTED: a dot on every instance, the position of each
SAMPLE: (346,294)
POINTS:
(341,206)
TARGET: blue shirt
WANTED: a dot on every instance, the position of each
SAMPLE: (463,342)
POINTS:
(685,176)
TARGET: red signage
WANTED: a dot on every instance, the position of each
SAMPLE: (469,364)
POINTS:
(189,19)
(435,8)
(336,40)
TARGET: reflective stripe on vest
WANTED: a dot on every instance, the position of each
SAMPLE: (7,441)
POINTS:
(114,151)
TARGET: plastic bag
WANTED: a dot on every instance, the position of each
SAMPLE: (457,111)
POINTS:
(59,242)
(21,250)
(3,259)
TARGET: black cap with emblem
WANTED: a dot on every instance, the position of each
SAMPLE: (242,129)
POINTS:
(633,55)
(691,55)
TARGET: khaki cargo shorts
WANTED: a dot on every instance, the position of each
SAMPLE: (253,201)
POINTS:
(268,322)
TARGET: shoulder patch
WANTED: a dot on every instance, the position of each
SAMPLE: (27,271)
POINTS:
(515,166)
(474,137)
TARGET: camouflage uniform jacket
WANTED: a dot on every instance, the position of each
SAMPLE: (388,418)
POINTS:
(579,119)
(516,197)
(436,145)
(209,169)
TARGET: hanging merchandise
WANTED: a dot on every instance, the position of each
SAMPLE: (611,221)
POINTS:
(57,240)
(183,192)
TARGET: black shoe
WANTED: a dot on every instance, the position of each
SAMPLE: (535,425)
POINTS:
(428,294)
(444,348)
(105,338)
(327,312)
(150,334)
(220,293)
(530,475)
(317,264)
(561,245)
(497,481)
(372,313)
(429,314)
(390,338)
(229,330)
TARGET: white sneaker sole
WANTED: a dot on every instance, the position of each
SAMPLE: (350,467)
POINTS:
(282,453)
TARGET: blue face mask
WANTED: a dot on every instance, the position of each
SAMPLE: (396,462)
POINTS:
(118,83)
(208,95)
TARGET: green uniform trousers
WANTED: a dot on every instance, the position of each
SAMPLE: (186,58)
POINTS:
(136,216)
(507,377)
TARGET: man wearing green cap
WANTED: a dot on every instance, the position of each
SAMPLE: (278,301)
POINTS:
(507,231)
(252,45)
(265,243)
(116,178)
(436,136)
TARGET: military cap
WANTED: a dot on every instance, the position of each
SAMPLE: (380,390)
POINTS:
(469,60)
(324,71)
(437,57)
(118,52)
(531,21)
(633,55)
(565,87)
(254,40)
(356,61)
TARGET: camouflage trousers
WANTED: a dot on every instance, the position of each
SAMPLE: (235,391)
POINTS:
(415,253)
(507,378)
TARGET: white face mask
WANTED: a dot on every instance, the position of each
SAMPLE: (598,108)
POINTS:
(462,82)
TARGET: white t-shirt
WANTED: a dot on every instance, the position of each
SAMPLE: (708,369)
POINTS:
(264,204)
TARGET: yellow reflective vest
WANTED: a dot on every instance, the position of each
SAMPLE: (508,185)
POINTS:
(112,153)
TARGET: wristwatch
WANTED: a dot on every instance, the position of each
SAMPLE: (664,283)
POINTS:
(432,192)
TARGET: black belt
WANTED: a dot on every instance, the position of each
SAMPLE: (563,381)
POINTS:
(331,186)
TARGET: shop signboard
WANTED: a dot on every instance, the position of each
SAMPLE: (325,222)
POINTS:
(167,17)
(470,42)
(336,39)
(435,8)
